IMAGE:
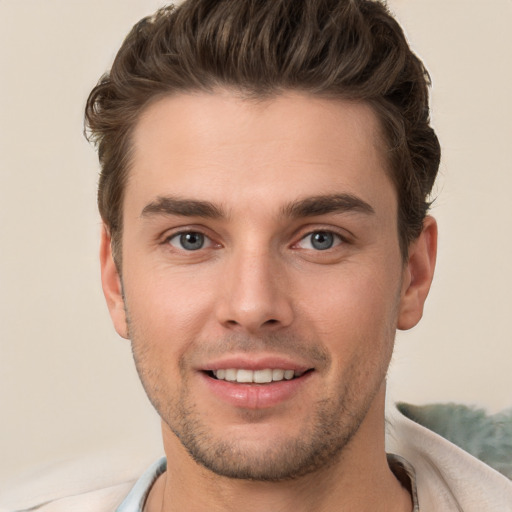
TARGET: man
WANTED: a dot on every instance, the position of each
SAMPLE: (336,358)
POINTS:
(266,167)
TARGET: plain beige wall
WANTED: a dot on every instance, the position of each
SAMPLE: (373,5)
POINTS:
(67,383)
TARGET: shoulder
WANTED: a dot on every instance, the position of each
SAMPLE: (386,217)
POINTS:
(447,477)
(96,482)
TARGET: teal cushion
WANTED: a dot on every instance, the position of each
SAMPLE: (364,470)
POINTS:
(487,437)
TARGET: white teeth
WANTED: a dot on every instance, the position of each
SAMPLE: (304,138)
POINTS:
(262,376)
(277,374)
(256,376)
(230,375)
(245,376)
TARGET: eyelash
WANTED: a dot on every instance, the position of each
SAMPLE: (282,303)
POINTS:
(337,239)
(180,234)
(334,238)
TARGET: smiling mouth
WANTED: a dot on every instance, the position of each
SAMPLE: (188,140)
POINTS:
(265,376)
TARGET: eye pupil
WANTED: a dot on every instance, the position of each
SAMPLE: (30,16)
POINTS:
(322,240)
(192,241)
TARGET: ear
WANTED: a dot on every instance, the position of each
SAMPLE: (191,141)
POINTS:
(111,283)
(418,274)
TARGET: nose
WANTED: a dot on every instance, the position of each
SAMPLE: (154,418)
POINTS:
(254,296)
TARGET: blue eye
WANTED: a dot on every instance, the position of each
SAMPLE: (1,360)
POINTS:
(190,241)
(320,240)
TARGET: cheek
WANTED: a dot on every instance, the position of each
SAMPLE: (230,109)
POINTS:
(167,309)
(354,310)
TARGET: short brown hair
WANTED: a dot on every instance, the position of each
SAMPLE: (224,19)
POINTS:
(348,49)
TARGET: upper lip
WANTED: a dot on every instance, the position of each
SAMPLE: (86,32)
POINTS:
(255,363)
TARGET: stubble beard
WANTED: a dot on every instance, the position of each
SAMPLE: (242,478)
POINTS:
(317,446)
(320,443)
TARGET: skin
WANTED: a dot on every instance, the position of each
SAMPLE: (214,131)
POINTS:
(259,287)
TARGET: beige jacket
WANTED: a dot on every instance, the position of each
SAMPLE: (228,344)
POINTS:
(445,478)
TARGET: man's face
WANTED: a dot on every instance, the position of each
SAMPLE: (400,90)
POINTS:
(260,242)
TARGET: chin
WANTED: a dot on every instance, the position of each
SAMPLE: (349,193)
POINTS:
(266,452)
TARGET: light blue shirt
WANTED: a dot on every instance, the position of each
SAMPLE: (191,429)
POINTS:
(135,500)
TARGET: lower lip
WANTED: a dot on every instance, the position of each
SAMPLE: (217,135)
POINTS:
(255,396)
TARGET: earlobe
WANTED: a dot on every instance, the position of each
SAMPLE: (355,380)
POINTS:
(418,275)
(111,283)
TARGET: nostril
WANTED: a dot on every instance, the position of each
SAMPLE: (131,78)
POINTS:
(271,323)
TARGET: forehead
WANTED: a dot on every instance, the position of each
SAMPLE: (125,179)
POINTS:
(230,150)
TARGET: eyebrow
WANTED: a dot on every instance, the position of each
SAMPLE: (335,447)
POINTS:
(183,207)
(307,207)
(322,205)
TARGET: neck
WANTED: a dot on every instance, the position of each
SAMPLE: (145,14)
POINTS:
(359,480)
